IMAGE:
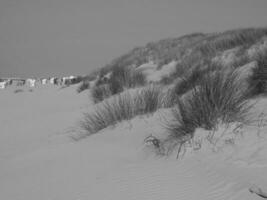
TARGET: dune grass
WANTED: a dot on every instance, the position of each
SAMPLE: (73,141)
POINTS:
(123,106)
(204,93)
(191,51)
(85,81)
(216,100)
(101,92)
(125,77)
(121,78)
(188,81)
(202,51)
(231,39)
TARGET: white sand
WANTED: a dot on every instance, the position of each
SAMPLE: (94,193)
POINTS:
(40,161)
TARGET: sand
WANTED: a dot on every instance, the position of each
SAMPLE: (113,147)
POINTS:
(40,160)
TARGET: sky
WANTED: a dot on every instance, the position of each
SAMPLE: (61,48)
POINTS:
(41,38)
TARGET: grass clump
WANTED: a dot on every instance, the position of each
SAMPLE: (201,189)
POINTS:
(218,99)
(121,78)
(148,99)
(127,77)
(85,81)
(99,93)
(189,81)
(123,106)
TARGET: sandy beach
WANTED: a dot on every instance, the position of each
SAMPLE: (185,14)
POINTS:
(40,159)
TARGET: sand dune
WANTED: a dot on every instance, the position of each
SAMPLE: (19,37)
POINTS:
(40,161)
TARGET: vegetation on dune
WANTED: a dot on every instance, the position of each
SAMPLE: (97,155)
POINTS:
(123,77)
(230,39)
(217,99)
(204,91)
(100,93)
(123,106)
(202,52)
(85,82)
(161,52)
(120,79)
(191,51)
(188,81)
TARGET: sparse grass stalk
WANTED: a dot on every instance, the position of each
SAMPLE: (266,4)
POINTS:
(259,78)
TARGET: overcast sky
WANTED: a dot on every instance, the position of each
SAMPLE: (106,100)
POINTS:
(64,37)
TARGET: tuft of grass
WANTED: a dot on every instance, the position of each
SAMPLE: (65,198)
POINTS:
(85,81)
(121,78)
(182,85)
(125,77)
(148,99)
(133,78)
(123,106)
(101,92)
(218,99)
(187,82)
